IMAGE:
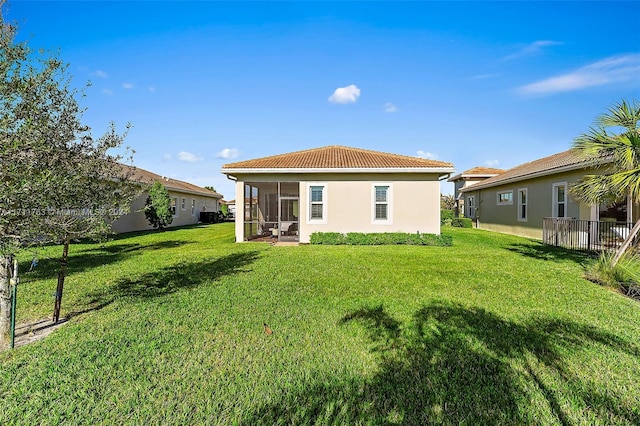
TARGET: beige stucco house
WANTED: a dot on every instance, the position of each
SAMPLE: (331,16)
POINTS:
(336,189)
(468,178)
(517,200)
(187,201)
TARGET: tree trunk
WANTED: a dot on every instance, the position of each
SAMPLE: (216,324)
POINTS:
(626,244)
(5,298)
(61,274)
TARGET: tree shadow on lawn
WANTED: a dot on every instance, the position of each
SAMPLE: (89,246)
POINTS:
(87,259)
(538,250)
(455,365)
(169,279)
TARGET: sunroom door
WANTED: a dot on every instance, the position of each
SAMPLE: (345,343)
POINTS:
(289,219)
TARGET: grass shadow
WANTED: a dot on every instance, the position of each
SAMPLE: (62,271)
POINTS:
(170,279)
(451,365)
(87,259)
(539,251)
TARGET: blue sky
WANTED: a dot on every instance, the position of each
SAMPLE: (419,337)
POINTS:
(472,83)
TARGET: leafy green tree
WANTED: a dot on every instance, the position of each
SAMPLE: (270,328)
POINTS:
(56,180)
(157,209)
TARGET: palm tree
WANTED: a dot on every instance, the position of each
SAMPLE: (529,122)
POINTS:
(617,155)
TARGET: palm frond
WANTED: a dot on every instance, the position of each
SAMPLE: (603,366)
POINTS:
(621,151)
(623,114)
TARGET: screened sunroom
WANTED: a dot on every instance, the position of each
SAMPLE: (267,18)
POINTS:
(271,211)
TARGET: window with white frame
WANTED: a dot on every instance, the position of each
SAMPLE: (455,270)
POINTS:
(505,198)
(183,204)
(193,207)
(317,203)
(522,204)
(381,204)
(559,197)
(174,206)
(471,206)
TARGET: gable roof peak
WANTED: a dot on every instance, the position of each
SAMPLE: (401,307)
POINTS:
(337,157)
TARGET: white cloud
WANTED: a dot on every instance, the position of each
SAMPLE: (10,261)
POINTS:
(152,89)
(492,163)
(389,107)
(228,153)
(614,69)
(345,95)
(427,155)
(532,49)
(127,86)
(108,92)
(188,157)
(99,73)
(484,76)
(166,157)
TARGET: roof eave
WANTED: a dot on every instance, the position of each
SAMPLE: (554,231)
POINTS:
(466,176)
(569,168)
(338,170)
(187,191)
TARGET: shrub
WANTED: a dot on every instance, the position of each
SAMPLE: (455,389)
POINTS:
(389,238)
(446,216)
(462,222)
(603,272)
(329,238)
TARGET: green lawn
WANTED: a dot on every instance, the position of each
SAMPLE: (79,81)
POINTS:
(166,328)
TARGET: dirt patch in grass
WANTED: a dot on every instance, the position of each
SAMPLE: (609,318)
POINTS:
(33,331)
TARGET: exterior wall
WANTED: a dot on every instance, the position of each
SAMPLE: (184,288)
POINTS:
(136,221)
(460,183)
(414,201)
(504,218)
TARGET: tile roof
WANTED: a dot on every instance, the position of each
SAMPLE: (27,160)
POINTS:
(337,157)
(477,172)
(556,163)
(148,177)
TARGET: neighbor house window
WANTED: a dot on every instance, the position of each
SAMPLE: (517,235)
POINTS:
(174,206)
(193,207)
(382,204)
(505,197)
(559,199)
(317,203)
(471,206)
(522,204)
(183,204)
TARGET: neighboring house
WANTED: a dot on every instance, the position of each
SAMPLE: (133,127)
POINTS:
(231,208)
(187,201)
(468,178)
(516,201)
(336,189)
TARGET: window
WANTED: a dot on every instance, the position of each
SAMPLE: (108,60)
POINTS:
(471,206)
(174,206)
(559,200)
(505,197)
(193,207)
(183,204)
(381,213)
(522,204)
(316,203)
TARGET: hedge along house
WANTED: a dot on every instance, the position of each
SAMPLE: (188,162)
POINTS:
(517,201)
(187,202)
(336,189)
